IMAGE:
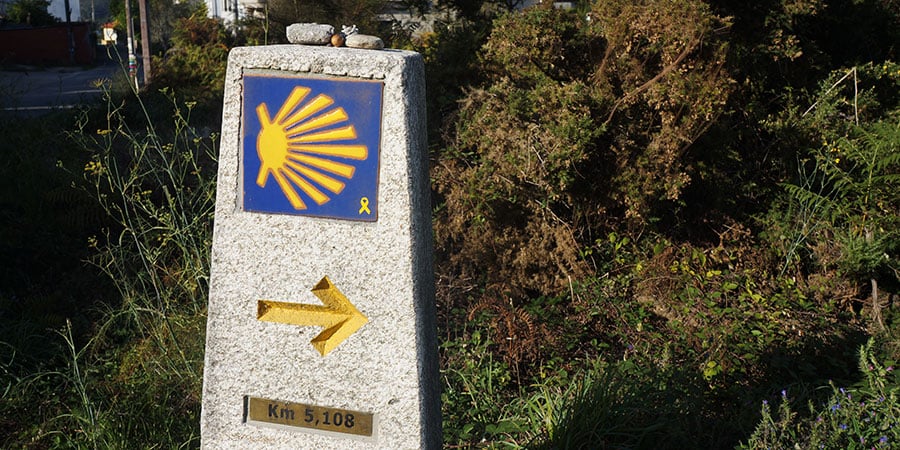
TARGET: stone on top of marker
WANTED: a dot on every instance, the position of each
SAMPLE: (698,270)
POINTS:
(323,34)
(364,41)
(310,33)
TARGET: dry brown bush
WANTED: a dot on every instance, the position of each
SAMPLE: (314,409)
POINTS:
(581,126)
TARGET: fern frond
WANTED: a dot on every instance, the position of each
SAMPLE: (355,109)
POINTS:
(486,303)
(810,200)
(888,179)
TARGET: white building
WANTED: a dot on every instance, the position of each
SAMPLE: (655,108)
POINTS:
(232,10)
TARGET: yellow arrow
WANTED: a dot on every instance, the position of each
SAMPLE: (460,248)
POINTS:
(339,317)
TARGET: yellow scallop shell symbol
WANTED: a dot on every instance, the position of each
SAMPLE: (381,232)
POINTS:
(292,144)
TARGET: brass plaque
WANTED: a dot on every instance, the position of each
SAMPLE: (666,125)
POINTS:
(264,411)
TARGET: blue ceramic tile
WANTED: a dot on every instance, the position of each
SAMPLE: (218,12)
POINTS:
(311,146)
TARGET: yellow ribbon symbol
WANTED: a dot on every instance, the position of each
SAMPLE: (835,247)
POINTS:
(364,205)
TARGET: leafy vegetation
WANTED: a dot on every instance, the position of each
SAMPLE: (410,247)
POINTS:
(30,12)
(131,366)
(194,68)
(659,186)
(864,416)
(650,219)
(165,23)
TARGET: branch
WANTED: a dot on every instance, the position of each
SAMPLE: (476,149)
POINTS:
(665,71)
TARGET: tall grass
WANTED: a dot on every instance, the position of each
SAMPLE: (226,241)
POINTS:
(604,406)
(156,183)
(157,187)
(130,375)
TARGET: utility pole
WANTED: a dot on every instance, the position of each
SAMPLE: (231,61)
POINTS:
(129,31)
(69,34)
(145,39)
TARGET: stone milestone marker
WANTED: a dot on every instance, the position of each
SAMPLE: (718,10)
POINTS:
(321,330)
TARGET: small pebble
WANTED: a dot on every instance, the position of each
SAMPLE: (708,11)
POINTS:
(337,40)
(310,33)
(364,41)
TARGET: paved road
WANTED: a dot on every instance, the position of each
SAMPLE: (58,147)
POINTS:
(32,90)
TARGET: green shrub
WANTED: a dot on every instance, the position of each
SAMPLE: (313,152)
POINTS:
(194,68)
(451,66)
(841,213)
(476,390)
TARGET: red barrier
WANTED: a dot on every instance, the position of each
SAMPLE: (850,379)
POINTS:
(47,45)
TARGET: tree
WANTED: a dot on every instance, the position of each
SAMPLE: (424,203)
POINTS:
(31,12)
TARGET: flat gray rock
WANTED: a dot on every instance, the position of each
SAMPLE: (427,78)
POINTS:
(310,33)
(364,41)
